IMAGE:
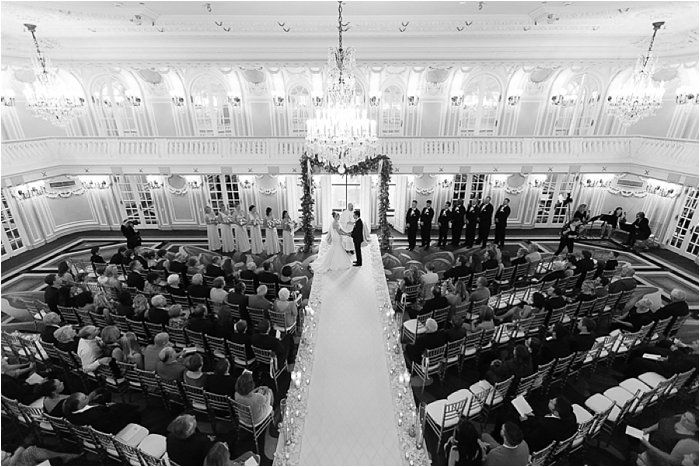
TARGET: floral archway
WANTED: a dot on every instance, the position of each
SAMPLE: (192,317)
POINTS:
(380,164)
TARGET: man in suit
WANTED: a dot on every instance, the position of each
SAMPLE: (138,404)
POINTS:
(214,269)
(431,339)
(81,410)
(426,223)
(638,230)
(240,336)
(584,339)
(412,218)
(197,289)
(678,307)
(249,274)
(221,381)
(557,425)
(51,293)
(118,257)
(358,236)
(263,340)
(627,282)
(501,218)
(472,218)
(485,216)
(237,296)
(444,223)
(435,303)
(458,213)
(258,300)
(267,276)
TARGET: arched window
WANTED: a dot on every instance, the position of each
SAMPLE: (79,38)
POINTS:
(212,112)
(299,108)
(576,106)
(391,111)
(481,101)
(116,106)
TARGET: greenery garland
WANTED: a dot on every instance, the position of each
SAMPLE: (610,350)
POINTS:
(378,163)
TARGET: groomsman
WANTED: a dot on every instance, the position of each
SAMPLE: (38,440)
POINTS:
(458,212)
(485,216)
(444,223)
(412,218)
(426,223)
(472,216)
(501,219)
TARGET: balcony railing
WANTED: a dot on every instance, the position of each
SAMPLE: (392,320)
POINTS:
(506,153)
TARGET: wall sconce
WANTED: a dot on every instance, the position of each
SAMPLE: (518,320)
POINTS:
(686,97)
(317,101)
(513,100)
(445,183)
(457,100)
(8,99)
(193,181)
(133,100)
(96,182)
(29,190)
(413,101)
(154,182)
(247,184)
(564,101)
(278,101)
(179,101)
(234,101)
(374,101)
(594,183)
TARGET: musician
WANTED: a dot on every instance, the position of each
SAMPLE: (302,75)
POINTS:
(501,219)
(412,217)
(444,223)
(485,216)
(426,223)
(611,222)
(638,230)
(458,213)
(582,213)
(472,217)
(569,232)
(133,237)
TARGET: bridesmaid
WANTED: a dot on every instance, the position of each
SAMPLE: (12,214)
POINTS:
(212,230)
(272,240)
(227,241)
(239,221)
(287,234)
(255,232)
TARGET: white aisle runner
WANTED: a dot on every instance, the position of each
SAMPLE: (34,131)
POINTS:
(350,415)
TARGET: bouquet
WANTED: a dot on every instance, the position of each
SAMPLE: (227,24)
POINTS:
(256,221)
(271,223)
(291,225)
(242,220)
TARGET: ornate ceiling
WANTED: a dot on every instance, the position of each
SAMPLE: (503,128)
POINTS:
(161,33)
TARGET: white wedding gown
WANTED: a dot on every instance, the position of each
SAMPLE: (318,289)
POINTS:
(335,257)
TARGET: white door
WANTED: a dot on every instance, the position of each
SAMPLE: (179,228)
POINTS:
(137,201)
(684,237)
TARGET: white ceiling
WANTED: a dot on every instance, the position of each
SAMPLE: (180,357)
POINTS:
(301,32)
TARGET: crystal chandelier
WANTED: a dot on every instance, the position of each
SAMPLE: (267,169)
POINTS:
(49,97)
(340,133)
(641,96)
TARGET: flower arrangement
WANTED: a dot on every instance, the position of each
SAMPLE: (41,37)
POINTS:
(272,223)
(242,220)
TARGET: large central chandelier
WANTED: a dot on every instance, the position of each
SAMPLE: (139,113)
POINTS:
(49,97)
(340,133)
(641,96)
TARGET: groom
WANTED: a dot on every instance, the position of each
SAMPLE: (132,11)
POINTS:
(358,236)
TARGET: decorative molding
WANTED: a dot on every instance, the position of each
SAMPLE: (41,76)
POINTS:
(425,191)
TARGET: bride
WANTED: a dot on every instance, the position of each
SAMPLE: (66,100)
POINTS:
(335,257)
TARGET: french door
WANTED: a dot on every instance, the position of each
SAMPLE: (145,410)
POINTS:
(137,201)
(685,236)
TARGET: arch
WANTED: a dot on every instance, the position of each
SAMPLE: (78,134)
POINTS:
(391,107)
(117,100)
(482,95)
(299,107)
(574,103)
(208,95)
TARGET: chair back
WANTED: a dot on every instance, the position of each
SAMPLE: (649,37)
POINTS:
(540,457)
(271,290)
(69,315)
(50,350)
(149,381)
(507,275)
(487,337)
(196,339)
(172,391)
(238,351)
(543,372)
(84,434)
(201,301)
(582,432)
(454,349)
(431,360)
(249,286)
(99,319)
(244,414)
(586,307)
(120,322)
(624,298)
(599,305)
(129,454)
(35,415)
(682,379)
(233,309)
(422,319)
(490,274)
(675,327)
(195,397)
(182,300)
(279,322)
(600,420)
(128,372)
(11,406)
(106,442)
(411,293)
(219,405)
(265,357)
(256,315)
(138,328)
(660,328)
(561,447)
(562,366)
(525,385)
(521,271)
(177,336)
(61,426)
(538,320)
(217,346)
(453,412)
(153,328)
(69,360)
(462,310)
(472,340)
(546,285)
(611,300)
(440,315)
(501,389)
(556,316)
(84,317)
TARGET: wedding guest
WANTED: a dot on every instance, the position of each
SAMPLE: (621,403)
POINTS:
(135,279)
(431,339)
(174,287)
(214,268)
(217,294)
(669,430)
(237,296)
(194,376)
(249,273)
(95,257)
(677,307)
(197,289)
(463,447)
(51,323)
(211,219)
(89,350)
(625,283)
(219,454)
(435,303)
(286,276)
(158,313)
(51,293)
(266,275)
(152,351)
(169,367)
(177,318)
(557,425)
(66,339)
(221,381)
(240,336)
(289,308)
(259,400)
(429,279)
(81,409)
(481,292)
(639,315)
(185,444)
(50,397)
(513,451)
(490,261)
(585,339)
(131,350)
(520,257)
(259,300)
(255,233)
(263,340)
(559,346)
(461,269)
(152,284)
(118,257)
(198,322)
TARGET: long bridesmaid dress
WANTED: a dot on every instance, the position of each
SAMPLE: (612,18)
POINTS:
(212,231)
(227,242)
(256,242)
(241,233)
(288,237)
(272,240)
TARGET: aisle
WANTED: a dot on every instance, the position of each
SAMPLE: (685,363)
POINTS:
(350,419)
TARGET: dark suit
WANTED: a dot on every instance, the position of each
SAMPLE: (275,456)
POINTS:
(443,225)
(268,342)
(501,218)
(242,302)
(427,341)
(135,280)
(579,342)
(412,217)
(158,316)
(485,216)
(472,218)
(358,236)
(51,298)
(198,291)
(638,230)
(541,431)
(622,285)
(221,384)
(250,275)
(107,418)
(213,270)
(426,218)
(244,339)
(203,325)
(434,304)
(458,213)
(269,277)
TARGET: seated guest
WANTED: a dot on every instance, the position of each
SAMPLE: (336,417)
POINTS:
(135,279)
(463,447)
(456,293)
(485,318)
(455,330)
(221,381)
(50,397)
(685,452)
(557,425)
(219,454)
(533,253)
(177,317)
(218,294)
(258,300)
(407,281)
(193,266)
(125,306)
(263,340)
(14,381)
(558,272)
(585,338)
(429,279)
(677,358)
(177,264)
(481,292)
(435,303)
(118,257)
(158,313)
(110,277)
(140,255)
(669,430)
(520,364)
(555,299)
(520,257)
(517,312)
(558,346)
(152,284)
(30,454)
(513,451)
(639,315)
(194,376)
(475,262)
(240,336)
(459,270)
(131,350)
(150,354)
(284,305)
(199,322)
(601,287)
(585,264)
(160,259)
(260,399)
(286,276)
(66,339)
(89,350)
(249,274)
(430,339)
(197,289)
(169,367)
(587,292)
(174,287)
(539,302)
(266,275)
(627,282)
(678,307)
(185,444)
(95,256)
(51,294)
(51,324)
(80,409)
(490,261)
(214,269)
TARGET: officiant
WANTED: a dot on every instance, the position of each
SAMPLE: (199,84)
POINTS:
(347,222)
